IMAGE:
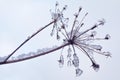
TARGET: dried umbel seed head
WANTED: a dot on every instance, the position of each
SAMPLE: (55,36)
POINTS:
(74,39)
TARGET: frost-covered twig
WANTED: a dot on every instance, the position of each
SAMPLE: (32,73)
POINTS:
(29,38)
(35,54)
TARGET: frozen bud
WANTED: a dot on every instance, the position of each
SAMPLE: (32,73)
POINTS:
(56,4)
(64,8)
(93,33)
(107,37)
(78,72)
(80,9)
(76,15)
(102,22)
(58,37)
(95,66)
(69,52)
(63,26)
(55,15)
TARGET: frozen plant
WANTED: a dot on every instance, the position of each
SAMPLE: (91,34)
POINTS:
(73,39)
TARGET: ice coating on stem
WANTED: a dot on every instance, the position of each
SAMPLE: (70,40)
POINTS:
(21,56)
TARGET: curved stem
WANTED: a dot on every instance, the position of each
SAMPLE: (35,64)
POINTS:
(37,55)
(28,40)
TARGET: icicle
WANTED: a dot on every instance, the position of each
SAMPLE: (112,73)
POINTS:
(75,60)
(58,37)
(61,61)
(69,52)
(69,63)
(78,72)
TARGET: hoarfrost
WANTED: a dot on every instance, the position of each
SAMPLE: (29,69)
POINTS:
(21,56)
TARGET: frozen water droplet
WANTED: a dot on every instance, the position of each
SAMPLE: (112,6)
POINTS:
(78,72)
(95,66)
(93,33)
(58,37)
(61,61)
(69,52)
(75,56)
(56,3)
(75,60)
(102,22)
(69,63)
(107,37)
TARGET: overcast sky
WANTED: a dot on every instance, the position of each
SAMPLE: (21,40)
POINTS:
(21,18)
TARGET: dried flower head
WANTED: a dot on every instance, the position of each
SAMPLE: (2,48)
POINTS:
(74,39)
(81,40)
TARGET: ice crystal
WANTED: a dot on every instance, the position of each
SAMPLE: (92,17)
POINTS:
(69,52)
(75,60)
(78,72)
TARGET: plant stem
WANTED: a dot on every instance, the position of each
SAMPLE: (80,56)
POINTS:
(28,40)
(30,57)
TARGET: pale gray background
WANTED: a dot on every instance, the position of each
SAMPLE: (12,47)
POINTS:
(20,18)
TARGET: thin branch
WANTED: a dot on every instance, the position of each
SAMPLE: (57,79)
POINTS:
(30,57)
(28,39)
(76,16)
(95,26)
(84,51)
